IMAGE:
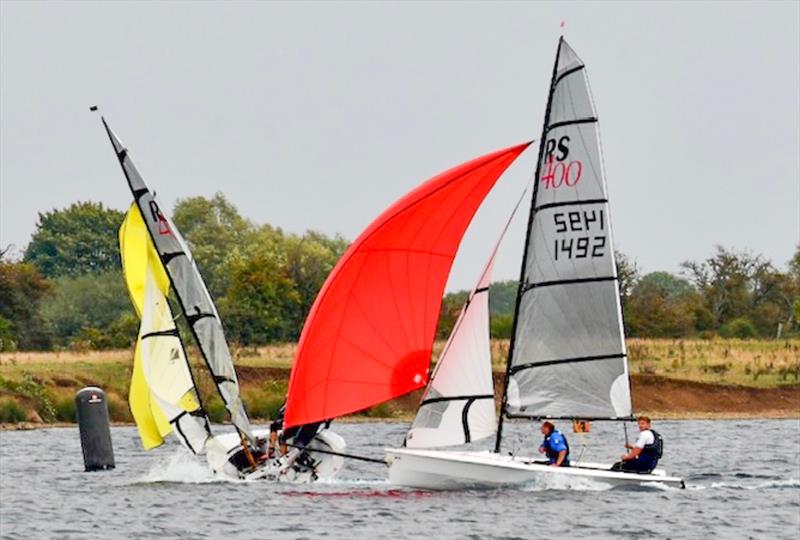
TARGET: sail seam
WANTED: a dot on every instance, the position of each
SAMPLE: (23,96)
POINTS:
(569,203)
(590,418)
(169,256)
(568,73)
(587,120)
(530,286)
(465,420)
(455,398)
(575,360)
(177,424)
(197,316)
(172,333)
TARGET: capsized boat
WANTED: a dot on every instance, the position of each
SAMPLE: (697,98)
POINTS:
(163,394)
(567,358)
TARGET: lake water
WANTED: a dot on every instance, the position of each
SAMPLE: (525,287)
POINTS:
(743,481)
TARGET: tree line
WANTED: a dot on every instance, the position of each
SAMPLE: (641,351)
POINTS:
(67,291)
(729,294)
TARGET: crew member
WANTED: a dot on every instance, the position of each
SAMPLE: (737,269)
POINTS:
(275,427)
(299,436)
(554,446)
(644,453)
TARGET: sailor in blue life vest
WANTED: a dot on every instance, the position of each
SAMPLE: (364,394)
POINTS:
(644,453)
(554,446)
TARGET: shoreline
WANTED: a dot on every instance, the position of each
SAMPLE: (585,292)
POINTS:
(778,414)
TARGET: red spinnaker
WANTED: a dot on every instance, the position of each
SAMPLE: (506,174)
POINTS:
(369,335)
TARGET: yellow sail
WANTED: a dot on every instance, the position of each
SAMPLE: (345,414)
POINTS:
(161,385)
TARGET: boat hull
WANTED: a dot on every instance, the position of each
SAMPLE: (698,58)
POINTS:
(438,469)
(221,450)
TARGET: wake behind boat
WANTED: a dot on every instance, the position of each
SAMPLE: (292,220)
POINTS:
(567,359)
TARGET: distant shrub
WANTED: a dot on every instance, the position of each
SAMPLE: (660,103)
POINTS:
(263,405)
(118,409)
(65,408)
(379,411)
(501,326)
(11,411)
(215,410)
(739,328)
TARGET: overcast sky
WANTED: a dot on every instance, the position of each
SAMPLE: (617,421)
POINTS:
(319,115)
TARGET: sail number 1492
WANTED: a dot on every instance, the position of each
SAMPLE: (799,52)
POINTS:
(585,245)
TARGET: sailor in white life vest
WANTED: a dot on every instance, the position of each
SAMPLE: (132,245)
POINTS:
(644,453)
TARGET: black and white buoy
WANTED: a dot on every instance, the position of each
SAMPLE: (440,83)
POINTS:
(92,413)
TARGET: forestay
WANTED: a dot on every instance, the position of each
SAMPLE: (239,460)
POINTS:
(369,334)
(568,356)
(193,297)
(162,393)
(458,405)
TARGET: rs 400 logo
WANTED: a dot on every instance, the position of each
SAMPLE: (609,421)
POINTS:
(557,170)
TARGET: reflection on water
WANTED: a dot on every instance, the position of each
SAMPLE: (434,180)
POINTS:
(733,490)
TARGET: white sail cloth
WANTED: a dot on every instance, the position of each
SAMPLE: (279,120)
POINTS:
(569,357)
(194,299)
(458,405)
(166,370)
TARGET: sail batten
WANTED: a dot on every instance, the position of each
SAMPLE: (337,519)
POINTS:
(567,357)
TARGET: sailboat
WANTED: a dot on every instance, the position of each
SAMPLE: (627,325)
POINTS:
(567,358)
(163,393)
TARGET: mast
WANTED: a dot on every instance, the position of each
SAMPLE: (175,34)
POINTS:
(521,284)
(203,319)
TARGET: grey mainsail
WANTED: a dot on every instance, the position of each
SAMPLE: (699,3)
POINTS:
(193,296)
(568,356)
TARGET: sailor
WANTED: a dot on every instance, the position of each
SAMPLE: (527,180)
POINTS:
(554,446)
(644,453)
(300,436)
(274,428)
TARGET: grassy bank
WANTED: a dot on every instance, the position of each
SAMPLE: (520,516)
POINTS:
(670,377)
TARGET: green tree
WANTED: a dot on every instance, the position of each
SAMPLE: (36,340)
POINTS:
(503,297)
(662,305)
(309,260)
(501,326)
(22,289)
(214,230)
(93,309)
(794,273)
(80,239)
(261,300)
(628,272)
(448,315)
(745,286)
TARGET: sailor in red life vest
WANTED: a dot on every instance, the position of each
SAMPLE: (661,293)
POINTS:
(644,453)
(554,446)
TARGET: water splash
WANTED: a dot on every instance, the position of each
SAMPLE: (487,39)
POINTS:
(181,467)
(558,482)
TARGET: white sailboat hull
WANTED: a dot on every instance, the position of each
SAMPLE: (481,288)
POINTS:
(439,469)
(320,467)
